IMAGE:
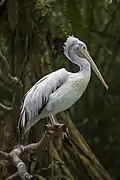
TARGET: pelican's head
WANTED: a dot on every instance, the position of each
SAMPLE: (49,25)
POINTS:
(74,45)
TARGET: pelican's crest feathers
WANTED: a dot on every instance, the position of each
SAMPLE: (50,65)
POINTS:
(71,40)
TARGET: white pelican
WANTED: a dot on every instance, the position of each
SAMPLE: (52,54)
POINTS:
(59,90)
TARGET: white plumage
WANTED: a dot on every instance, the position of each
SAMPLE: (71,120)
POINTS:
(60,89)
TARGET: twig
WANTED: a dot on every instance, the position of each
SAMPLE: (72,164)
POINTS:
(6,108)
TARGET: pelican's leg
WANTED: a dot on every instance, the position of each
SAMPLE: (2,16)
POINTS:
(51,119)
(54,121)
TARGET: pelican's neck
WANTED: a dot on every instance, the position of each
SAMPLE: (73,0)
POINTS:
(83,64)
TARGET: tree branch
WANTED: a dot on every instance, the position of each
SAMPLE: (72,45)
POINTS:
(4,155)
(15,155)
(4,64)
(2,3)
(13,176)
(6,108)
(5,73)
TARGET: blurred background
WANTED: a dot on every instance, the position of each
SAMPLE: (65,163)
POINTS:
(32,34)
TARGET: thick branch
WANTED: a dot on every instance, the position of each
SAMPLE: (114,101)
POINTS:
(14,155)
(42,144)
(13,176)
(22,169)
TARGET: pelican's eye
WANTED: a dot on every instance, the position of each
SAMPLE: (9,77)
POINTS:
(83,47)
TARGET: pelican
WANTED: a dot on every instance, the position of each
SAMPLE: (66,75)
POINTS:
(59,90)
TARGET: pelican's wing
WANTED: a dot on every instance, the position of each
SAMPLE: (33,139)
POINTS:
(37,97)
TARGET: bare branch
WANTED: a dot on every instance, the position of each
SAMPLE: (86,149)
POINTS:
(4,64)
(5,73)
(4,155)
(13,176)
(22,169)
(14,155)
(41,144)
(10,80)
(4,107)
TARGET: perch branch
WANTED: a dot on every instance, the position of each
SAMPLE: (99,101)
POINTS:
(13,176)
(15,155)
